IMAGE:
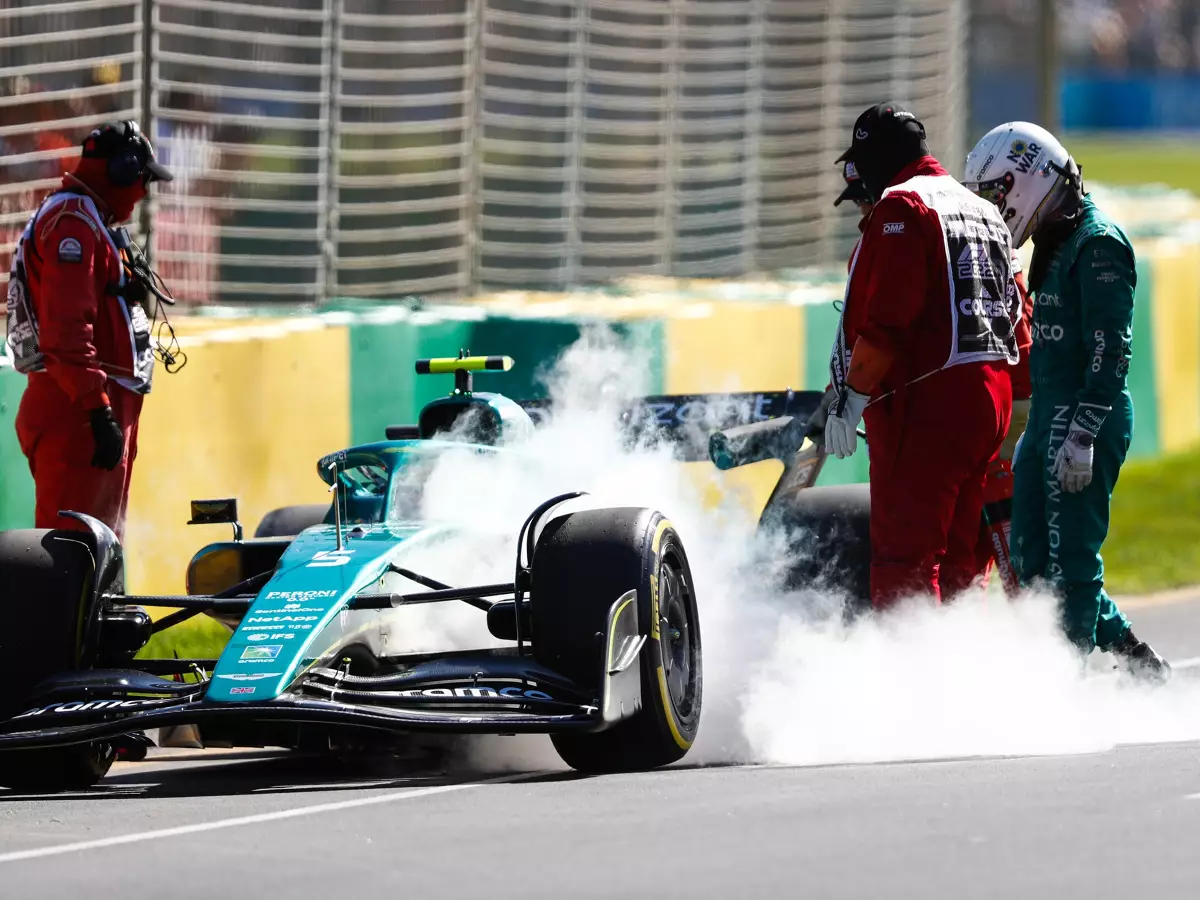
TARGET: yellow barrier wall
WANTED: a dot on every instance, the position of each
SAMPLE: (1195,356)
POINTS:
(245,418)
(1175,314)
(714,347)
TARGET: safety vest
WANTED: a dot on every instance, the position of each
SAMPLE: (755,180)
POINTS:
(23,343)
(985,305)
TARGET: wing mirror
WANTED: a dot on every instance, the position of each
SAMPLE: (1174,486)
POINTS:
(217,512)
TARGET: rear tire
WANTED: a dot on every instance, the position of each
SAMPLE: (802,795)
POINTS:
(289,521)
(833,527)
(583,562)
(44,578)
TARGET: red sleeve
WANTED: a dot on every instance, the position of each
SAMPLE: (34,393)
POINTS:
(68,306)
(896,289)
(1022,387)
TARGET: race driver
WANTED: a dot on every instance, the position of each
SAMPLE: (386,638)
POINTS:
(922,352)
(1082,277)
(78,327)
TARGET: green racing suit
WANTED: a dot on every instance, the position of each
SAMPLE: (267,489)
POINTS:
(1082,335)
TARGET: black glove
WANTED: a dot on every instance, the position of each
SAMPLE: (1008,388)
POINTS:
(134,290)
(110,442)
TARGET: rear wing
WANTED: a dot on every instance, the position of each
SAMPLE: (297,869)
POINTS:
(686,421)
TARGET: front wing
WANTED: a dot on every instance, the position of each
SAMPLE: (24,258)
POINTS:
(469,693)
(292,710)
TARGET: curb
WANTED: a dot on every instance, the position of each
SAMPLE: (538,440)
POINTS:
(1175,596)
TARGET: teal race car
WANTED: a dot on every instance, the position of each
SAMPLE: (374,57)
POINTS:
(595,640)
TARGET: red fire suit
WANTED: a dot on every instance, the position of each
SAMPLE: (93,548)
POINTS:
(84,348)
(941,407)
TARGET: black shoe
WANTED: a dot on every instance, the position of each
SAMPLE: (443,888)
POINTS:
(1140,660)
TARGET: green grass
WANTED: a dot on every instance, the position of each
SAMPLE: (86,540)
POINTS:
(198,638)
(1154,538)
(1173,161)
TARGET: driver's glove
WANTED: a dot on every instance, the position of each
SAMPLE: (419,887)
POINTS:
(1073,464)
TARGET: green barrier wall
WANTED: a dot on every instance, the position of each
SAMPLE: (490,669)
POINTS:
(16,486)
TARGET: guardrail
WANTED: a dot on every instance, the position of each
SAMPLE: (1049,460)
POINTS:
(378,149)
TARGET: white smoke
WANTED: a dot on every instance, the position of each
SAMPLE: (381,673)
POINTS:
(785,680)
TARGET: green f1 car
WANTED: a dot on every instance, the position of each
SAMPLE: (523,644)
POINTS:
(597,633)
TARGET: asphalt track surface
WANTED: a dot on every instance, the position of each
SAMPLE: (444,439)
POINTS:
(1120,824)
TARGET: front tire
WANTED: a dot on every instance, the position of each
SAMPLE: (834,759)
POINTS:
(50,770)
(583,562)
(45,576)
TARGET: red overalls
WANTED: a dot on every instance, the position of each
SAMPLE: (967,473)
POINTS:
(94,351)
(943,407)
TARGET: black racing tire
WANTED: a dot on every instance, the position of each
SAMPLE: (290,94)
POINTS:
(289,521)
(50,770)
(44,578)
(832,526)
(583,562)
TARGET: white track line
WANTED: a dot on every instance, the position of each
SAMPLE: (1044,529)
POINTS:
(18,855)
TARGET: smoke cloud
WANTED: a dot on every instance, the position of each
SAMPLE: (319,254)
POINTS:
(787,681)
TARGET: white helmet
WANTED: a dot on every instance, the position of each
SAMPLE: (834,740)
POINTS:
(1026,172)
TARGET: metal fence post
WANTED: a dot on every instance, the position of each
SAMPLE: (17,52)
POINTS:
(147,79)
(753,141)
(473,141)
(327,144)
(576,115)
(673,171)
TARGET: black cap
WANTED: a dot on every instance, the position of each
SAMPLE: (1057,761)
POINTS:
(115,137)
(856,191)
(883,127)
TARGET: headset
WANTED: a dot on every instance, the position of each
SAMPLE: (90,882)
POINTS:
(125,149)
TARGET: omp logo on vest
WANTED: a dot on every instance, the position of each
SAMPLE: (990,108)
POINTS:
(893,228)
(1024,155)
(974,262)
